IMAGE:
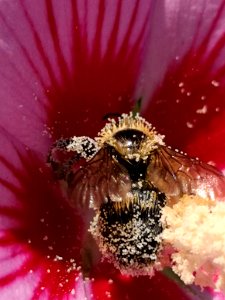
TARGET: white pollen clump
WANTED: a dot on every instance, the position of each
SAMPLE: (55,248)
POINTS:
(83,145)
(215,83)
(195,228)
(189,125)
(202,110)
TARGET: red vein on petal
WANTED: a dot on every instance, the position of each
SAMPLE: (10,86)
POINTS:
(25,52)
(6,280)
(40,46)
(86,10)
(96,52)
(111,47)
(214,54)
(14,253)
(189,98)
(125,43)
(107,83)
(46,228)
(203,46)
(195,56)
(78,49)
(55,38)
(140,37)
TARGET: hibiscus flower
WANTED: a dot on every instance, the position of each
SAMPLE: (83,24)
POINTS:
(64,65)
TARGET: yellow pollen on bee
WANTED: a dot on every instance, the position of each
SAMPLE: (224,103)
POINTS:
(131,199)
(128,121)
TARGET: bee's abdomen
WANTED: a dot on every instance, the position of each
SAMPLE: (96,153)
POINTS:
(129,234)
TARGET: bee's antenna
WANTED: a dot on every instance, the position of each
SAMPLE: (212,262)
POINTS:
(137,107)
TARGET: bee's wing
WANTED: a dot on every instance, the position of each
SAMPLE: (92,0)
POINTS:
(99,179)
(176,174)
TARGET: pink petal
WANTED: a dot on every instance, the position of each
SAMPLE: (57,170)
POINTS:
(187,98)
(40,235)
(217,296)
(110,283)
(41,239)
(64,66)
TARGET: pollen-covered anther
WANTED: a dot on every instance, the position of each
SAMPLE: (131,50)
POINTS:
(194,227)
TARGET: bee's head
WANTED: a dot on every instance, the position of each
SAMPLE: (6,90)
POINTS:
(131,136)
(130,143)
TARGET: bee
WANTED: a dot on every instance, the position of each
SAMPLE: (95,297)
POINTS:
(127,175)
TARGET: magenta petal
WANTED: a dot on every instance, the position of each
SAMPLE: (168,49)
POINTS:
(187,99)
(41,239)
(106,49)
(217,296)
(65,65)
(40,236)
(184,26)
(110,283)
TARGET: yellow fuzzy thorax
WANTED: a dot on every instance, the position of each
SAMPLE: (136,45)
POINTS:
(128,121)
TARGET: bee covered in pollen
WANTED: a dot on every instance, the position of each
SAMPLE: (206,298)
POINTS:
(127,175)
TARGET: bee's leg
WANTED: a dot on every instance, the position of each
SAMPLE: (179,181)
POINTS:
(83,145)
(60,160)
(66,152)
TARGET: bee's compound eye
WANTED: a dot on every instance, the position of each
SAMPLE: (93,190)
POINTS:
(131,136)
(129,141)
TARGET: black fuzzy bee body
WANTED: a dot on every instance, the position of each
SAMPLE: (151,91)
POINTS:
(131,235)
(127,176)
